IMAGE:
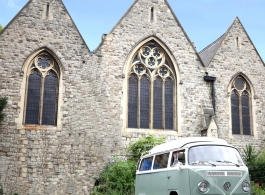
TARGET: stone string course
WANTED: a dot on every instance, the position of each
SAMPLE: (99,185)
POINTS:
(66,159)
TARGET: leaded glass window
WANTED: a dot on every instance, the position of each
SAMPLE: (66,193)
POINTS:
(133,96)
(42,91)
(240,106)
(169,104)
(144,102)
(33,100)
(158,105)
(151,90)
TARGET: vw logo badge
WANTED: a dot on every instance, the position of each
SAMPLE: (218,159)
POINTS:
(227,186)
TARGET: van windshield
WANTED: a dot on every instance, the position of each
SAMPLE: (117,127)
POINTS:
(213,155)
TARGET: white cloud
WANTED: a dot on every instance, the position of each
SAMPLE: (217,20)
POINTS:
(12,4)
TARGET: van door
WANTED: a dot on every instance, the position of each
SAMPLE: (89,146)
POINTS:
(159,183)
(144,177)
(178,176)
(159,175)
(143,183)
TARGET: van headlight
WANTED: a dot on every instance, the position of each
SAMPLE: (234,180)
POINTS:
(203,187)
(245,186)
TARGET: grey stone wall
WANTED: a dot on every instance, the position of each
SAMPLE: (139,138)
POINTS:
(230,60)
(131,30)
(47,160)
(67,158)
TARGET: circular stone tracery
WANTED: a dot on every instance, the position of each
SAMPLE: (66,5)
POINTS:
(239,83)
(163,71)
(44,62)
(151,57)
(139,69)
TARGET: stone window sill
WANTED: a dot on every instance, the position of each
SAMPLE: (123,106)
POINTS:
(39,127)
(152,131)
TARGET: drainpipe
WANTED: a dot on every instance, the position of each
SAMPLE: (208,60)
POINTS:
(208,78)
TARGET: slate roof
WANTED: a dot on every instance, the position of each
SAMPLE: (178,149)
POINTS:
(208,52)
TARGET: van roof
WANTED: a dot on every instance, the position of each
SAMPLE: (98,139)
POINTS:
(179,143)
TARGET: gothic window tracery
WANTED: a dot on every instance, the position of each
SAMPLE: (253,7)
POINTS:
(240,106)
(151,90)
(42,91)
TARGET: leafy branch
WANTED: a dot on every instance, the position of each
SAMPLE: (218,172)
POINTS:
(3,103)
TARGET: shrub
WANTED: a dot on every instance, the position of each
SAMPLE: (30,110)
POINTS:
(3,102)
(249,154)
(257,171)
(256,166)
(256,189)
(142,146)
(118,177)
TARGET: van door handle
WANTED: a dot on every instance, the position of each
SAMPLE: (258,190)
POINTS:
(169,177)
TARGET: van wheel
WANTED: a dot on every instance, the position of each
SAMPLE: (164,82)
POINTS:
(173,193)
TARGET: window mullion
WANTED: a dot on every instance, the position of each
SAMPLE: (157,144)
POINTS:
(250,115)
(163,105)
(41,99)
(240,114)
(151,103)
(138,103)
(175,125)
(56,105)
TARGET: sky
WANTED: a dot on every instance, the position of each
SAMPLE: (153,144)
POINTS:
(203,20)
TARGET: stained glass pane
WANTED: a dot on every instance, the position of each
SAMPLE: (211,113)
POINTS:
(132,102)
(33,99)
(50,100)
(144,103)
(43,62)
(158,110)
(169,104)
(239,83)
(235,113)
(245,114)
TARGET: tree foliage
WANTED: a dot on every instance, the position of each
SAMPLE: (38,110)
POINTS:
(249,154)
(3,103)
(255,161)
(1,28)
(142,146)
(257,169)
(118,177)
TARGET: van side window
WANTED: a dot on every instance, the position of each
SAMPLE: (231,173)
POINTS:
(178,157)
(161,161)
(146,164)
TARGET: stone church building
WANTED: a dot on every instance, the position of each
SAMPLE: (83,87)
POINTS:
(70,110)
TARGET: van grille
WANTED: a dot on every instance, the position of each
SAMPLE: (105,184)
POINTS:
(224,174)
(215,173)
(234,174)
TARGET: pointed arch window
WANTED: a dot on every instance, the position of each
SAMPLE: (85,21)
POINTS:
(42,91)
(151,90)
(241,106)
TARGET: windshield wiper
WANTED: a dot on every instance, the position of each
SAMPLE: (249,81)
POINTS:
(214,165)
(203,162)
(226,161)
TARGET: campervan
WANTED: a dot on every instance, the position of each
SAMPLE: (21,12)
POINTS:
(192,166)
